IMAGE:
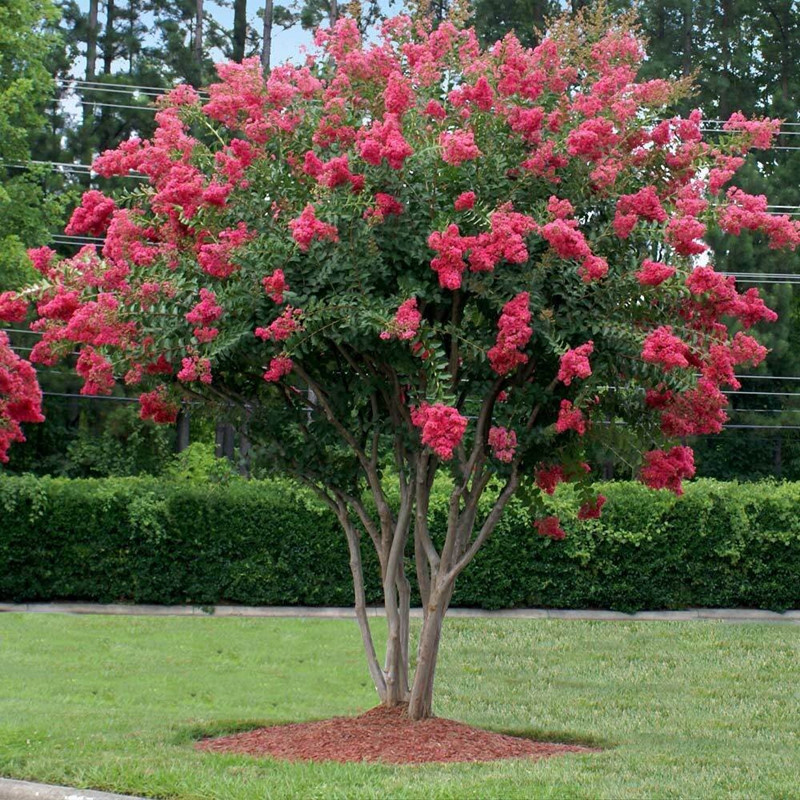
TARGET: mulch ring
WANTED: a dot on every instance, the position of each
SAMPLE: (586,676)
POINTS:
(386,735)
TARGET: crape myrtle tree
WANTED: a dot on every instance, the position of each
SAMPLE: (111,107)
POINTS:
(419,257)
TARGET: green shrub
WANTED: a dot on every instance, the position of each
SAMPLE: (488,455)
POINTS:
(269,543)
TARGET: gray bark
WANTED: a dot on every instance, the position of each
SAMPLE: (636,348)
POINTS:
(266,44)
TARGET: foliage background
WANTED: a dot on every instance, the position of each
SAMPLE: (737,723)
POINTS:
(206,537)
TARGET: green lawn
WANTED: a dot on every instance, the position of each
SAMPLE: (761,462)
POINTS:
(698,709)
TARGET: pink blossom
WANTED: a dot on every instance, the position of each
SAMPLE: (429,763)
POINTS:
(666,469)
(559,209)
(406,321)
(458,147)
(449,262)
(654,273)
(278,368)
(206,311)
(503,443)
(547,477)
(513,335)
(398,96)
(592,509)
(42,259)
(384,140)
(156,406)
(464,201)
(96,371)
(215,258)
(570,418)
(385,204)
(13,308)
(593,268)
(575,363)
(662,347)
(194,368)
(283,327)
(550,527)
(275,285)
(307,227)
(565,238)
(759,132)
(442,427)
(92,216)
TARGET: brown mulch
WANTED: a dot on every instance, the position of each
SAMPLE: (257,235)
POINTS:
(386,735)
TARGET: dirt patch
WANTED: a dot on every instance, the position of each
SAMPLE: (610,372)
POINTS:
(386,735)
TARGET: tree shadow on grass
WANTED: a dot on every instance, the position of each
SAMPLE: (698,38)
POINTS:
(558,737)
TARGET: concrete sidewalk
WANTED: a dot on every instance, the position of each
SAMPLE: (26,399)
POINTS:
(24,790)
(721,614)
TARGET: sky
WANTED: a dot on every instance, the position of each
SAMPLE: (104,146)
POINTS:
(287,44)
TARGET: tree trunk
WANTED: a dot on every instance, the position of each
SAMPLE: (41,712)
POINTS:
(333,12)
(688,22)
(420,704)
(266,43)
(239,29)
(182,438)
(91,41)
(109,45)
(198,40)
(397,602)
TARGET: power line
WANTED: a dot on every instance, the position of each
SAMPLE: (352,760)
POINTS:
(129,86)
(138,108)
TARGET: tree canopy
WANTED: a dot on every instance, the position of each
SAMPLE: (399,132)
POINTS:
(420,257)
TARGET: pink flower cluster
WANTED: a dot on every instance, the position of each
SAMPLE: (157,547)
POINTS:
(503,443)
(505,241)
(206,311)
(592,509)
(406,321)
(194,368)
(216,257)
(20,396)
(96,371)
(283,327)
(385,205)
(458,147)
(575,363)
(694,412)
(464,201)
(13,308)
(759,132)
(333,173)
(662,347)
(547,477)
(550,527)
(514,333)
(666,469)
(157,406)
(279,367)
(92,216)
(384,140)
(307,227)
(644,204)
(442,427)
(750,212)
(654,273)
(570,418)
(275,285)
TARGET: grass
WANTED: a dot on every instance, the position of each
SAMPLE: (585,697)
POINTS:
(696,709)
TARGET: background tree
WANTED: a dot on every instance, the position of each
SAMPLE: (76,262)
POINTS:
(415,259)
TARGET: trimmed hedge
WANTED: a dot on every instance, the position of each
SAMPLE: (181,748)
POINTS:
(268,543)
